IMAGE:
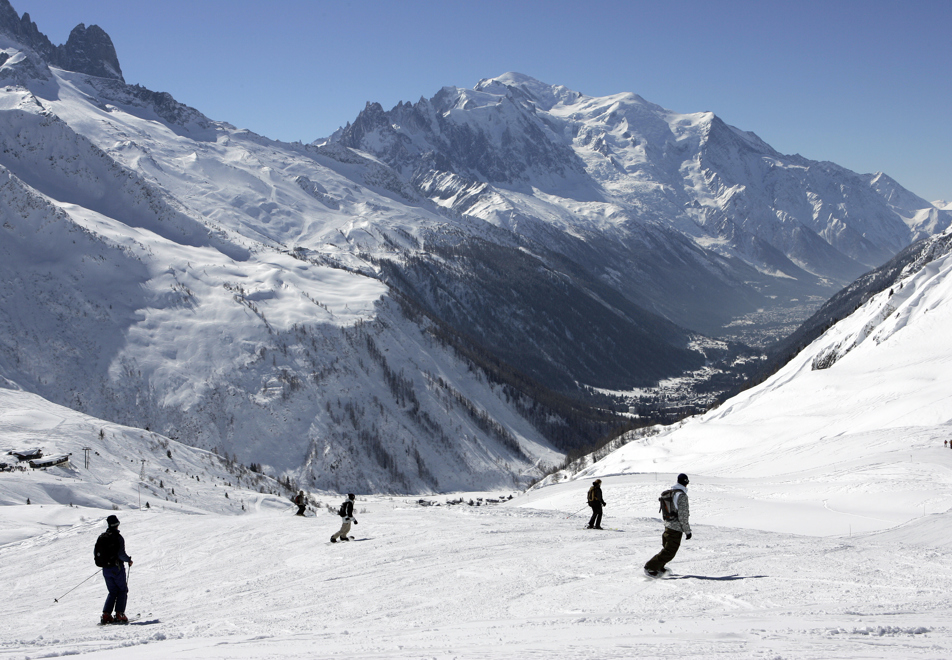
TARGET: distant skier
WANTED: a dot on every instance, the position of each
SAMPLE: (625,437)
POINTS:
(110,553)
(674,529)
(346,512)
(596,502)
(301,500)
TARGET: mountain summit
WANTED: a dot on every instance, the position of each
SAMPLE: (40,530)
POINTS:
(88,50)
(619,174)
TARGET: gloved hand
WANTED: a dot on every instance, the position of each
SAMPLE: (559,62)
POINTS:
(688,536)
(355,522)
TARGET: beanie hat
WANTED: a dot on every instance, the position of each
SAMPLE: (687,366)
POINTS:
(683,479)
(112,521)
(351,496)
(597,481)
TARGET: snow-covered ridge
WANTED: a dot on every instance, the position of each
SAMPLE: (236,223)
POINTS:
(541,159)
(111,467)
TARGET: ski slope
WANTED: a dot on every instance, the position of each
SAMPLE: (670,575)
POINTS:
(519,579)
(493,582)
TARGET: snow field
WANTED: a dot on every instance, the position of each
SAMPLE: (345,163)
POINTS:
(500,581)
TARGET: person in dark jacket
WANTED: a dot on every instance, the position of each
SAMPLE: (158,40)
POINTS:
(347,513)
(110,554)
(596,502)
(301,500)
(673,530)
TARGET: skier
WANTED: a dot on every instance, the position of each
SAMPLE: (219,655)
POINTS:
(110,553)
(346,512)
(301,500)
(596,502)
(674,529)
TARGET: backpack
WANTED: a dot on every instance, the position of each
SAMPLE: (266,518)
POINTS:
(669,512)
(106,552)
(342,512)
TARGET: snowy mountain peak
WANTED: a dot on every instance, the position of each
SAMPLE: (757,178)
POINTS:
(542,94)
(88,50)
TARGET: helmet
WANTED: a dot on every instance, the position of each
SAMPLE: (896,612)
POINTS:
(112,521)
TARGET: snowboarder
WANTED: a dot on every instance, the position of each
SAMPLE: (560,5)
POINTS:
(596,502)
(110,553)
(346,512)
(673,529)
(301,500)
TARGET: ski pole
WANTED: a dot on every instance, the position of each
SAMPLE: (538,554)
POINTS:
(56,600)
(575,514)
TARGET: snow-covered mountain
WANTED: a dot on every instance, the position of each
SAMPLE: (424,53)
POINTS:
(681,213)
(173,273)
(330,312)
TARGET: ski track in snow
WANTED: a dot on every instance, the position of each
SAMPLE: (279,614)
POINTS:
(504,581)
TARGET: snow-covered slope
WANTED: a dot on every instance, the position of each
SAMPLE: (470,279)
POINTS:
(856,428)
(112,467)
(504,581)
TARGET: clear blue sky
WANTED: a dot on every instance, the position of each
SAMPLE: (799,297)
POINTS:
(866,84)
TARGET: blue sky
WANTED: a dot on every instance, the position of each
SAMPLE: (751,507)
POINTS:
(867,85)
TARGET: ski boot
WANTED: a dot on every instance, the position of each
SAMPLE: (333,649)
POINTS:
(121,617)
(106,618)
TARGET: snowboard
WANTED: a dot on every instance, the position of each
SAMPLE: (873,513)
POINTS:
(660,576)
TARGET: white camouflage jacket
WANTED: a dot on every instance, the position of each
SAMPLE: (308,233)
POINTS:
(684,511)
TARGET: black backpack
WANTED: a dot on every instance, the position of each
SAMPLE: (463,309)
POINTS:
(106,552)
(342,512)
(669,512)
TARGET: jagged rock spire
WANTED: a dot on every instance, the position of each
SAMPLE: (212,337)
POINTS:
(88,50)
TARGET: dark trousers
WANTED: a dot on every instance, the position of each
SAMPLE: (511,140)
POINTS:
(596,519)
(115,577)
(670,542)
(301,508)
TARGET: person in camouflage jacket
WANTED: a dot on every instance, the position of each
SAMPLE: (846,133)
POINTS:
(674,530)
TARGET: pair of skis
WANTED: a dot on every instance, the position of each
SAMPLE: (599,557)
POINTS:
(133,621)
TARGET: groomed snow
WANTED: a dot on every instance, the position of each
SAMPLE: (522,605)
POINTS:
(502,581)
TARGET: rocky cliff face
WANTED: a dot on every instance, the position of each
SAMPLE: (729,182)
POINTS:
(87,50)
